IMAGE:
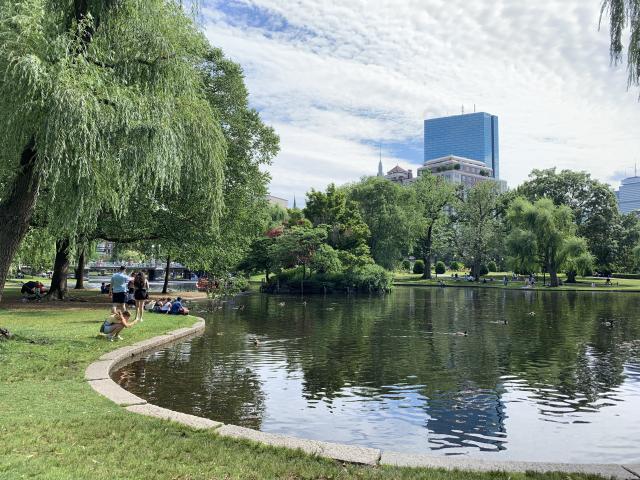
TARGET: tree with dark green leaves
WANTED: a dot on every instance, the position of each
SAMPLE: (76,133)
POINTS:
(100,100)
(628,240)
(432,194)
(297,247)
(387,209)
(478,224)
(546,234)
(345,228)
(181,221)
(593,204)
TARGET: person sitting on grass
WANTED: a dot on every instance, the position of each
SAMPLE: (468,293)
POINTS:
(177,308)
(166,306)
(113,325)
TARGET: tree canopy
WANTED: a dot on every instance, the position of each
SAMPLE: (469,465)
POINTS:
(101,100)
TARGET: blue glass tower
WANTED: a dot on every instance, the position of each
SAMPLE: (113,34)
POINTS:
(474,136)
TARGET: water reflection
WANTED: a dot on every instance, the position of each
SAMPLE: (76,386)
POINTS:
(390,372)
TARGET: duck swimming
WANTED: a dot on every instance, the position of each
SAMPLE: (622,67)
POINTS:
(461,334)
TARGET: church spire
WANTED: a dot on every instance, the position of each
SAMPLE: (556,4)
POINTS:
(380,172)
(294,202)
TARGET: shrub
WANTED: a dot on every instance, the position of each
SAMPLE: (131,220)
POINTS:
(492,267)
(326,260)
(456,266)
(371,277)
(406,265)
(418,267)
(483,270)
(440,268)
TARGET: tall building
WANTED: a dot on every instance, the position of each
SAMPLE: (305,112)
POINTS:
(459,170)
(473,136)
(629,195)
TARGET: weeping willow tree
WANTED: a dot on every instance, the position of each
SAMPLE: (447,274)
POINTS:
(623,15)
(100,100)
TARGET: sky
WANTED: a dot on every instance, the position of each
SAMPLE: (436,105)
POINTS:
(342,81)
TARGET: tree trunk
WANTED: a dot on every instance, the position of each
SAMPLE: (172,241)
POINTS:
(426,257)
(553,277)
(58,289)
(571,276)
(16,209)
(475,270)
(80,271)
(166,275)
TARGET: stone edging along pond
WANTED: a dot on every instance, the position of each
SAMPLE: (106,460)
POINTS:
(98,375)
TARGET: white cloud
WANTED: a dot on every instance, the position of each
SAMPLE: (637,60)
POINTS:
(341,76)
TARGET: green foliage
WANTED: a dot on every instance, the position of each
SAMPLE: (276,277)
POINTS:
(478,229)
(371,278)
(431,195)
(259,259)
(277,216)
(623,14)
(406,265)
(110,93)
(483,270)
(550,237)
(326,260)
(492,267)
(440,268)
(36,251)
(418,267)
(297,246)
(593,205)
(386,208)
(456,266)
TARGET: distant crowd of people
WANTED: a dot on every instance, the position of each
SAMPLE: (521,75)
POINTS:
(133,290)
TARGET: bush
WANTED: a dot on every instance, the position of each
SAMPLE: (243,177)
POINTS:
(370,277)
(483,270)
(406,265)
(326,260)
(440,268)
(492,267)
(456,266)
(418,267)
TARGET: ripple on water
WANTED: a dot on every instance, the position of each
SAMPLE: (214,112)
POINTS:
(386,372)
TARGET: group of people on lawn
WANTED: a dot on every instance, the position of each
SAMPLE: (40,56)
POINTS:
(123,289)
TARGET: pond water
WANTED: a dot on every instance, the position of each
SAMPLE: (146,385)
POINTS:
(560,381)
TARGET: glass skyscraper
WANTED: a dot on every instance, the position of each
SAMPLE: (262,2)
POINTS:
(472,135)
(629,195)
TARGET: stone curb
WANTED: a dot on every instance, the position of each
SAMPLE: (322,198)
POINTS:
(98,376)
(480,465)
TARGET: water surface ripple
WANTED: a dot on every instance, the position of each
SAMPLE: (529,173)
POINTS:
(562,384)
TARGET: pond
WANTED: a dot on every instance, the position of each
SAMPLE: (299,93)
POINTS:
(559,381)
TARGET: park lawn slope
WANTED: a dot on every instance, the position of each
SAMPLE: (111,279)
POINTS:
(494,280)
(54,426)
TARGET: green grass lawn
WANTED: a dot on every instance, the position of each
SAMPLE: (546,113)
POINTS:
(54,426)
(618,284)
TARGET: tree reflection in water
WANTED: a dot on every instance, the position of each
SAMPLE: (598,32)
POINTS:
(396,358)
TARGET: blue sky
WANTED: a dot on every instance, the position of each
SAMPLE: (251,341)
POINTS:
(338,79)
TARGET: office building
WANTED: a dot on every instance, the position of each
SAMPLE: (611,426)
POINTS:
(473,136)
(461,171)
(629,195)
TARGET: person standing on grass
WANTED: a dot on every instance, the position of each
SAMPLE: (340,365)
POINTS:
(119,282)
(141,286)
